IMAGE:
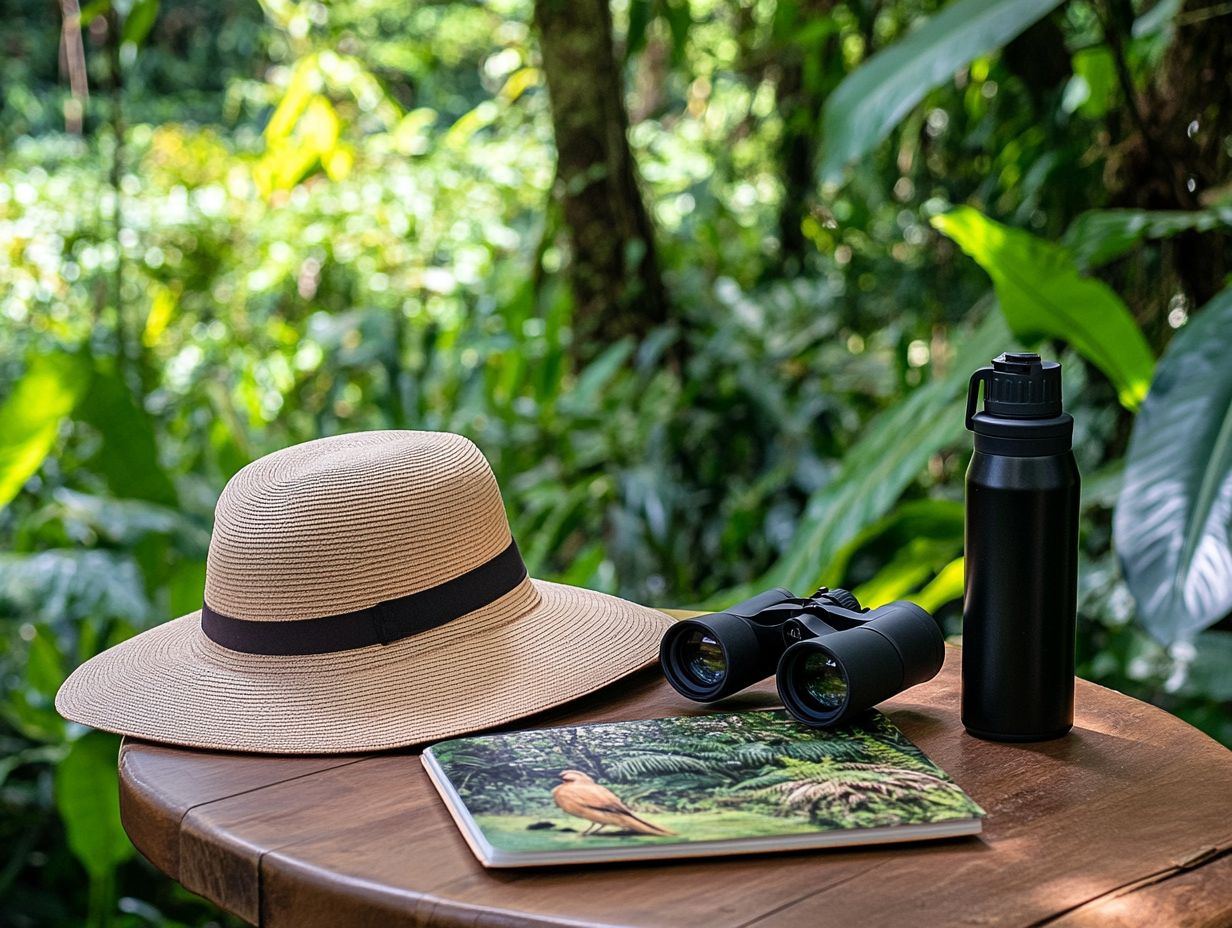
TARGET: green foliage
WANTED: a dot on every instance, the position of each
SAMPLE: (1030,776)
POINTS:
(875,98)
(1208,674)
(87,799)
(318,218)
(127,457)
(1102,235)
(87,795)
(889,456)
(944,588)
(31,415)
(139,21)
(1174,517)
(938,520)
(1043,296)
(1091,88)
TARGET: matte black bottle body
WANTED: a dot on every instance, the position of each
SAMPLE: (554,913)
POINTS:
(1020,603)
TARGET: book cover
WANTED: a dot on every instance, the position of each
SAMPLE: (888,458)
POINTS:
(692,786)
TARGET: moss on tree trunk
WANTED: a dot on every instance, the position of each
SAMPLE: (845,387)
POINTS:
(613,271)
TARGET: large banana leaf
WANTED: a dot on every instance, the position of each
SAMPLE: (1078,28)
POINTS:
(875,97)
(1173,520)
(1043,296)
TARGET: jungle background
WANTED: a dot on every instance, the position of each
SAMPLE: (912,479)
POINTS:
(706,778)
(704,280)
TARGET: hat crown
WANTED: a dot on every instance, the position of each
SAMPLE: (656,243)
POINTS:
(339,524)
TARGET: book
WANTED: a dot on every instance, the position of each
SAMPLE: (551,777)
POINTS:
(692,786)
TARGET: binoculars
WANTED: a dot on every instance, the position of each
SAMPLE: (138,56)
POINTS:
(832,660)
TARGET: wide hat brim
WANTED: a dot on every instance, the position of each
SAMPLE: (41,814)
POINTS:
(540,645)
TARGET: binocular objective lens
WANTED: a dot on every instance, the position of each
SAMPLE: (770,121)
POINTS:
(824,682)
(702,657)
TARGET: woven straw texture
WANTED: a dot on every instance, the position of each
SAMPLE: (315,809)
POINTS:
(336,525)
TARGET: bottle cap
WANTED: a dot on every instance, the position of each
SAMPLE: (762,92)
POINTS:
(1020,385)
(1022,415)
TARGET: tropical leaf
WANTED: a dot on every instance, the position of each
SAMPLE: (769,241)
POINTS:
(912,565)
(1172,526)
(45,669)
(64,584)
(88,799)
(32,715)
(597,375)
(761,783)
(44,754)
(92,10)
(304,84)
(679,21)
(1102,235)
(185,586)
(128,455)
(944,588)
(139,22)
(1043,296)
(881,752)
(127,521)
(1157,20)
(917,518)
(834,790)
(31,416)
(875,97)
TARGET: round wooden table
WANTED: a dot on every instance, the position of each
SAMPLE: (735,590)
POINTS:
(1126,821)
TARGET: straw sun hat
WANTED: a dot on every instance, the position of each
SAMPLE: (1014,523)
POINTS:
(362,592)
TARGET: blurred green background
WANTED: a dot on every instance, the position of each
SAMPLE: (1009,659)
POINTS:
(704,280)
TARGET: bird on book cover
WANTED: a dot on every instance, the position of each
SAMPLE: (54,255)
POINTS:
(580,795)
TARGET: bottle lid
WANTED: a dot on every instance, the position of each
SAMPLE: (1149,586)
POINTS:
(1022,415)
(1020,385)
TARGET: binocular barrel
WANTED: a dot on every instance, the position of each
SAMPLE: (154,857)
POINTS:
(825,681)
(847,663)
(716,655)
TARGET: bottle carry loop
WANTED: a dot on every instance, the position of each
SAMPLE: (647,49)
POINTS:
(973,393)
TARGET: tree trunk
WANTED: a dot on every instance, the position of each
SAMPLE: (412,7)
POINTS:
(800,91)
(1040,59)
(1175,156)
(613,271)
(797,155)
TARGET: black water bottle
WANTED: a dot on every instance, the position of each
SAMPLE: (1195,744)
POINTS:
(1021,588)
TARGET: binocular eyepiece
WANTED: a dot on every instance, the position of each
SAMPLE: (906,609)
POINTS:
(832,660)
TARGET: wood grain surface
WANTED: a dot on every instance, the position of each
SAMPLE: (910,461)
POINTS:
(1125,822)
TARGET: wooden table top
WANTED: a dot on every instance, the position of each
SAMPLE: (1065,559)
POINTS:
(1126,821)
